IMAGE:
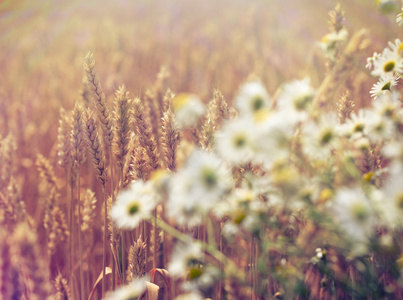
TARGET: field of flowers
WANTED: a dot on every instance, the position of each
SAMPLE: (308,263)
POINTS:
(201,150)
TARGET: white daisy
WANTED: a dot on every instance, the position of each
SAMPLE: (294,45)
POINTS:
(188,109)
(380,128)
(296,97)
(353,212)
(128,292)
(399,18)
(196,188)
(388,105)
(383,85)
(396,47)
(358,122)
(318,136)
(252,97)
(235,140)
(392,202)
(184,210)
(388,63)
(330,41)
(202,280)
(134,204)
(370,60)
(273,137)
(185,258)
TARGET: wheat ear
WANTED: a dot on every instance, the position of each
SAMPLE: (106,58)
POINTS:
(98,160)
(137,260)
(122,129)
(106,124)
(78,156)
(170,139)
(146,137)
(216,111)
(62,289)
(7,158)
(345,107)
(99,98)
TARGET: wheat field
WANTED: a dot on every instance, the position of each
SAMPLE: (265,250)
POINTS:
(181,149)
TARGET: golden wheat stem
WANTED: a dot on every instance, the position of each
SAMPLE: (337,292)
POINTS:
(123,238)
(104,243)
(155,240)
(113,227)
(71,238)
(79,237)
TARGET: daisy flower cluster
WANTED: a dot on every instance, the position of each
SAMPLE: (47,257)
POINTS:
(387,66)
(287,178)
(278,196)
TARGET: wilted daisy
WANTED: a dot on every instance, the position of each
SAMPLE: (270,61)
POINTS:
(134,204)
(188,109)
(296,97)
(252,98)
(128,292)
(383,85)
(185,259)
(235,141)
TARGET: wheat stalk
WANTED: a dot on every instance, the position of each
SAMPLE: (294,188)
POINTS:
(10,285)
(35,269)
(78,156)
(106,124)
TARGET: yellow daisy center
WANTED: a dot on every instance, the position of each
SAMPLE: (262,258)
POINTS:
(389,66)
